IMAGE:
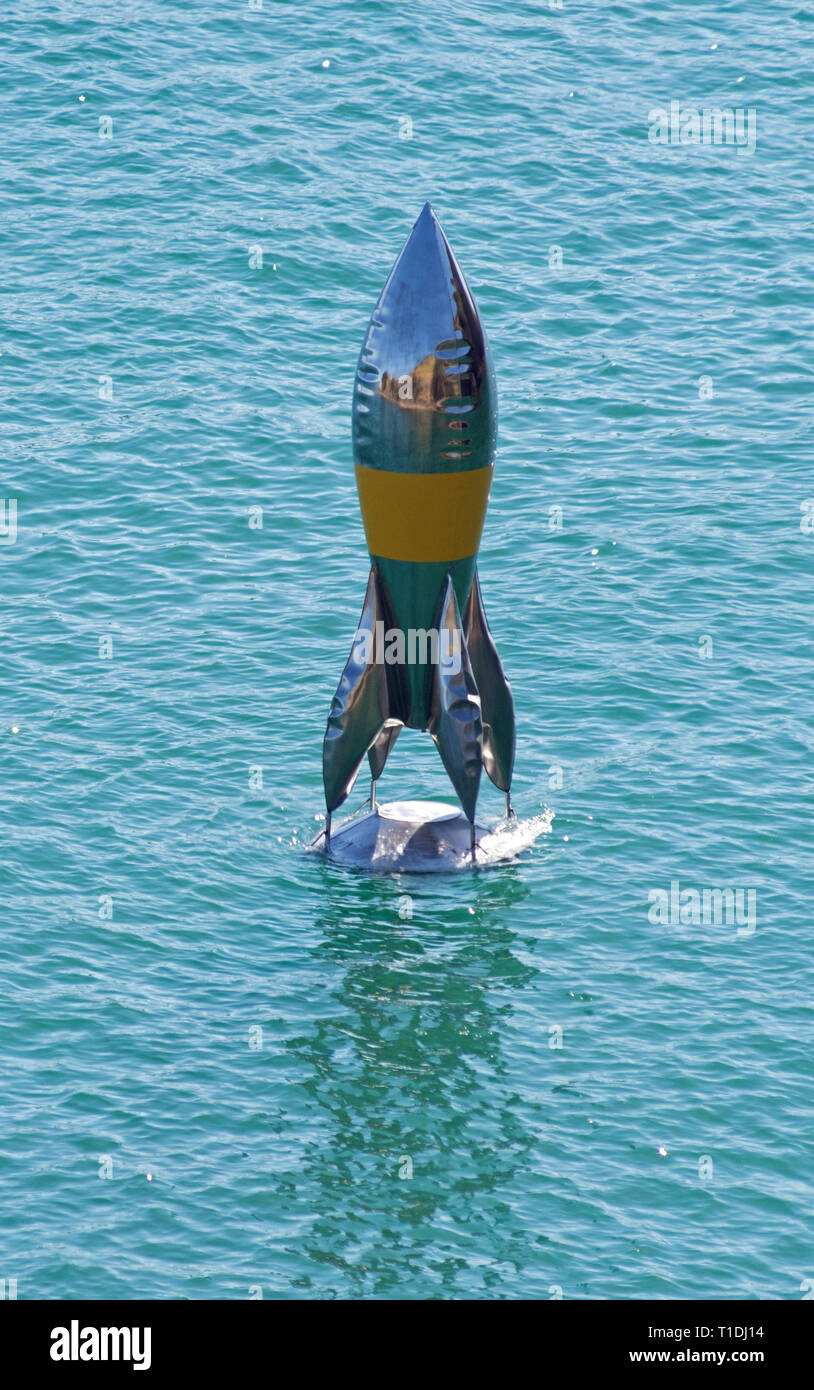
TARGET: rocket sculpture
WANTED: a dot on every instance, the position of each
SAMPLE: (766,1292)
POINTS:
(424,432)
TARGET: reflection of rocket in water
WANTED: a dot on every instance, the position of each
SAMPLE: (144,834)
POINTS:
(424,430)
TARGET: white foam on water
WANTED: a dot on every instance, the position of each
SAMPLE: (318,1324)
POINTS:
(511,837)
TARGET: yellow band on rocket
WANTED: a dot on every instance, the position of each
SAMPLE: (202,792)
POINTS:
(423,516)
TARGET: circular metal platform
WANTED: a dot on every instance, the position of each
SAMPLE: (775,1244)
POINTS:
(418,812)
(406,837)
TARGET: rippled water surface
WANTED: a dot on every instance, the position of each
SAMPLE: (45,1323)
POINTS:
(307,1081)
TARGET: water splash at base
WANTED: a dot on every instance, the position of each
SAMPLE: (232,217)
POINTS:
(511,837)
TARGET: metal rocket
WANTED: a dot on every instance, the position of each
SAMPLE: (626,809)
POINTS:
(424,433)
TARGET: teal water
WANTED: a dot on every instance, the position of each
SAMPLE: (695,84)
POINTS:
(187,994)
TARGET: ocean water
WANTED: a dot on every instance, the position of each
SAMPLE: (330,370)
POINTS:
(230,1068)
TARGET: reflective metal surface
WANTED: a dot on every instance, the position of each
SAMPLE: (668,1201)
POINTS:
(411,840)
(497,706)
(380,751)
(455,716)
(359,708)
(425,398)
(424,433)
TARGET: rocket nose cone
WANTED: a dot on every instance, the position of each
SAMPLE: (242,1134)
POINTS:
(427,255)
(425,305)
(424,399)
(426,214)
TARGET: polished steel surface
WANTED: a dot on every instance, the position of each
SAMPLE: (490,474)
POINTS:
(455,714)
(360,706)
(425,404)
(380,750)
(418,812)
(425,399)
(386,842)
(497,706)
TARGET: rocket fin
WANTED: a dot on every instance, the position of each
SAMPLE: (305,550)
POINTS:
(381,748)
(497,705)
(455,712)
(361,705)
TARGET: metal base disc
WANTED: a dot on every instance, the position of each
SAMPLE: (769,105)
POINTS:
(406,837)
